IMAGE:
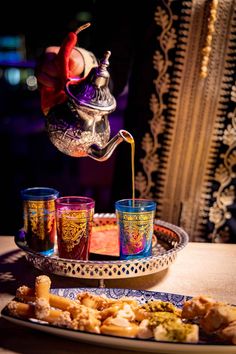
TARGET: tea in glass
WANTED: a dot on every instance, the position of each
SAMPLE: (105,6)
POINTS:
(40,218)
(74,226)
(135,219)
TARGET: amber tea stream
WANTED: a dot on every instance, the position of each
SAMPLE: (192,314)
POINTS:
(129,139)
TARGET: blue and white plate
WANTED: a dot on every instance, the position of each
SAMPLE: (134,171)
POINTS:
(204,346)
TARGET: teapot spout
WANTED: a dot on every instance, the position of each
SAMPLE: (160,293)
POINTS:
(104,153)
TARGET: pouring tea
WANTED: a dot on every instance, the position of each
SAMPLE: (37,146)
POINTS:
(78,125)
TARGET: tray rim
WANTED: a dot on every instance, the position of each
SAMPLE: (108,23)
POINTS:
(169,256)
(183,242)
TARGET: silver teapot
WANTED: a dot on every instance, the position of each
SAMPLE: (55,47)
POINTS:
(79,126)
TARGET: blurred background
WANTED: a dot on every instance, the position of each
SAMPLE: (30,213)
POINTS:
(27,157)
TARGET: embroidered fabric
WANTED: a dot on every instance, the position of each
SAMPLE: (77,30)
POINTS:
(183,125)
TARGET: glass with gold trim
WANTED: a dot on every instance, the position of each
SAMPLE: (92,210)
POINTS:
(135,219)
(40,218)
(74,215)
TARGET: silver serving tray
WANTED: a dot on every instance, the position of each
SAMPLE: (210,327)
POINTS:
(168,241)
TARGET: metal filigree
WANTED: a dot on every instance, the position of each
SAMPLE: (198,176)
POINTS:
(73,130)
(170,239)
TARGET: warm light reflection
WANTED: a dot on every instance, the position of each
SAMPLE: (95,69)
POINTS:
(31,82)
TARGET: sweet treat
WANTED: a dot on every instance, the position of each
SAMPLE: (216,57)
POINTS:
(19,309)
(119,326)
(86,319)
(162,306)
(62,303)
(168,326)
(58,318)
(110,311)
(126,317)
(121,322)
(213,317)
(176,332)
(144,330)
(55,317)
(26,294)
(93,301)
(197,307)
(228,333)
(218,316)
(156,318)
(42,288)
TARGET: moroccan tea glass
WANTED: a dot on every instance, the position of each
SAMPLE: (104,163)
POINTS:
(135,220)
(74,216)
(40,218)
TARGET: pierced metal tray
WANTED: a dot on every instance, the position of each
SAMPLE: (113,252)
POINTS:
(168,241)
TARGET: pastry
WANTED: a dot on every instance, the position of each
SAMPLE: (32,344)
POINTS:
(176,332)
(55,317)
(42,288)
(19,309)
(197,307)
(125,317)
(119,327)
(218,316)
(26,294)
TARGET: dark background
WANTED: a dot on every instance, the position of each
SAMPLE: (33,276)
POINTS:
(27,157)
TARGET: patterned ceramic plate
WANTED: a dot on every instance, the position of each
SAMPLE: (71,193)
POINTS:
(168,241)
(204,345)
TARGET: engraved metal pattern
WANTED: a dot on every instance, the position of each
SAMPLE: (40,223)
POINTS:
(93,91)
(96,97)
(170,240)
(73,135)
(82,121)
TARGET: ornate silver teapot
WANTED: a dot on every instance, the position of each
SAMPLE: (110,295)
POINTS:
(79,126)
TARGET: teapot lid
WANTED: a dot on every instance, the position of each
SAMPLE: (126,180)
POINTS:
(93,91)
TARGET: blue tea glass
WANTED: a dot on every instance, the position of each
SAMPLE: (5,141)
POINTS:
(135,220)
(40,218)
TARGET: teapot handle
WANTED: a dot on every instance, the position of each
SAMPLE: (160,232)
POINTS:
(72,81)
(64,53)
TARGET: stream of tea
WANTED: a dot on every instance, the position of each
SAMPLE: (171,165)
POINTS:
(133,169)
(130,140)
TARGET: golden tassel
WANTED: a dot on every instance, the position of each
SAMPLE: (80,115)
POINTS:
(206,51)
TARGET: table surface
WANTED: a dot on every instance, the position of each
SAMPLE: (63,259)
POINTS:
(200,268)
